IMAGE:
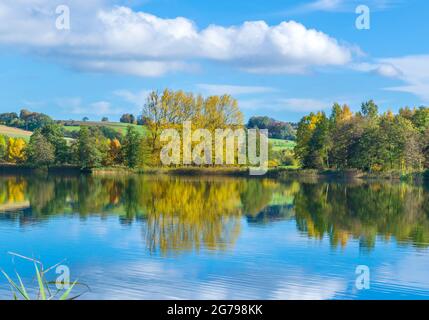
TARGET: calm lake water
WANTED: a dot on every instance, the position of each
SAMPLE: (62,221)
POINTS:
(147,237)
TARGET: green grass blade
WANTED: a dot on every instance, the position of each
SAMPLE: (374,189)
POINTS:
(46,285)
(9,279)
(24,292)
(15,286)
(40,282)
(67,293)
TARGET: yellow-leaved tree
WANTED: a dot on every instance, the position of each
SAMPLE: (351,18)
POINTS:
(171,109)
(16,150)
(114,153)
(3,148)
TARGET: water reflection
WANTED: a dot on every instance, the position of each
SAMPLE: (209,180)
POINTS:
(364,211)
(181,214)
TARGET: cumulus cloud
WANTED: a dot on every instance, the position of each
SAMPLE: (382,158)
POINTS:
(118,39)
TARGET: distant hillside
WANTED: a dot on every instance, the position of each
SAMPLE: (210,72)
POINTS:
(15,132)
(117,126)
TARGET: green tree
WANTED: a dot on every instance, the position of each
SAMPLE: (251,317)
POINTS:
(368,152)
(147,158)
(33,120)
(131,147)
(308,149)
(128,118)
(276,129)
(420,119)
(40,151)
(319,145)
(345,131)
(8,118)
(369,109)
(365,140)
(89,153)
(55,135)
(425,148)
(407,113)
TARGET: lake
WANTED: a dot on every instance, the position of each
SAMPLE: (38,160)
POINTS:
(148,237)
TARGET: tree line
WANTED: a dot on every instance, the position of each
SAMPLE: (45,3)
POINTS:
(26,120)
(96,146)
(47,147)
(365,140)
(276,129)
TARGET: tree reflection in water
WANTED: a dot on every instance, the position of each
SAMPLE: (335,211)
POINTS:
(183,213)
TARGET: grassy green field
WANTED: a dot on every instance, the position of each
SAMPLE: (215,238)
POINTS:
(15,132)
(117,126)
(279,144)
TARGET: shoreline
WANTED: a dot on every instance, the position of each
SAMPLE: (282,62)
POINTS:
(273,173)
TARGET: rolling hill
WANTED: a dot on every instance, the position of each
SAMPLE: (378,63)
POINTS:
(15,132)
(117,126)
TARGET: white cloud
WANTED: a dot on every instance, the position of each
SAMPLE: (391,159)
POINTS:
(419,89)
(324,5)
(218,89)
(388,70)
(381,68)
(121,40)
(412,70)
(132,67)
(343,5)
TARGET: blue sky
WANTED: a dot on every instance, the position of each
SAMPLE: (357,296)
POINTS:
(278,58)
